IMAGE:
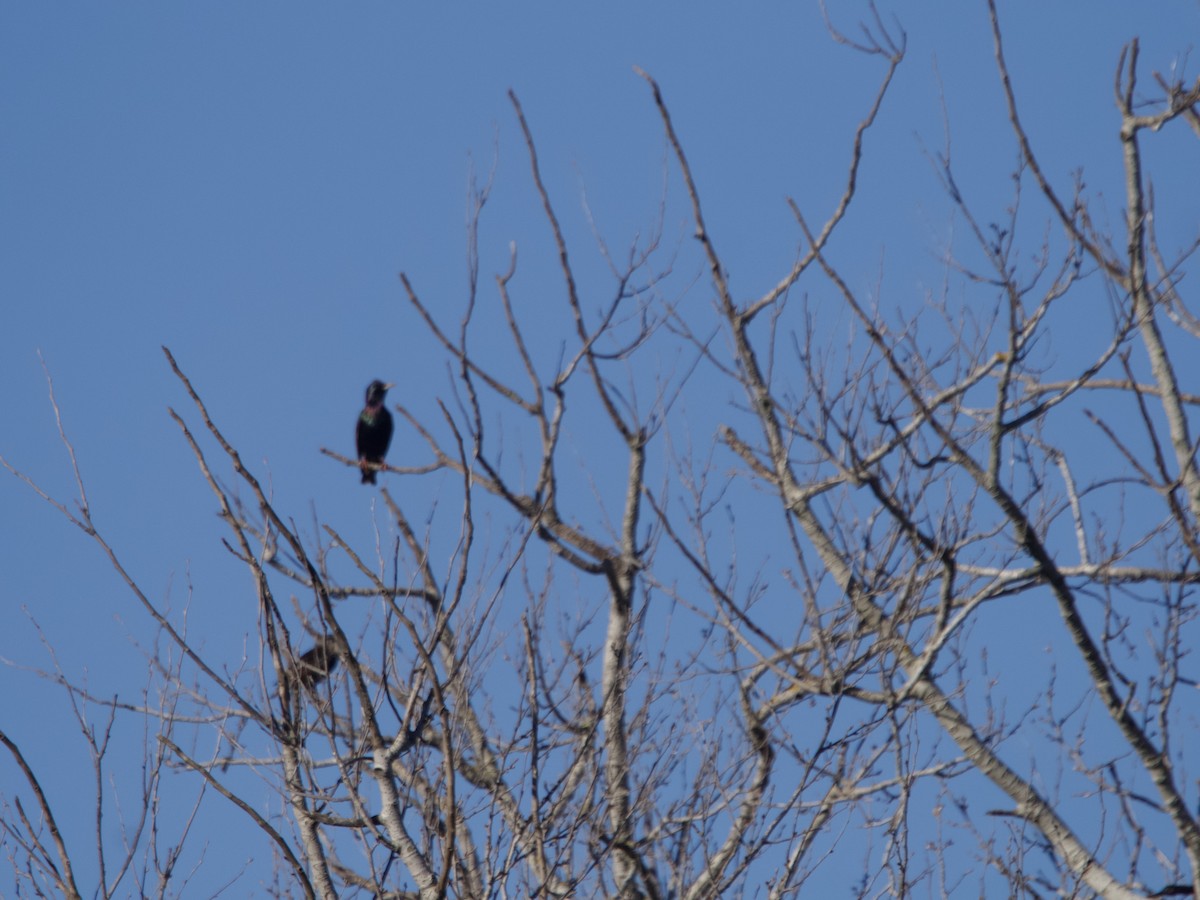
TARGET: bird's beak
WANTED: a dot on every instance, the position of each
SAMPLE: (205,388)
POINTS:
(388,387)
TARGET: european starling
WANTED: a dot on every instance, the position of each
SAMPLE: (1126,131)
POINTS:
(374,431)
(318,663)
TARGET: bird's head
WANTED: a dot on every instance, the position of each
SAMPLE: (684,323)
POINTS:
(375,392)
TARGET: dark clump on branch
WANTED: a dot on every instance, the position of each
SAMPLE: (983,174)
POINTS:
(373,433)
(315,665)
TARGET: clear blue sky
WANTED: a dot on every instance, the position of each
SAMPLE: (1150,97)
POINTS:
(243,182)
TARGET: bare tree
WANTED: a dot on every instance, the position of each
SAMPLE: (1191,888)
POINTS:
(723,622)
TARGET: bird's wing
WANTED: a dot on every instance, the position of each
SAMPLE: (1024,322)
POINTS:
(386,427)
(361,433)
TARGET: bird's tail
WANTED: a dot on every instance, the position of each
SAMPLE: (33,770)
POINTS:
(368,474)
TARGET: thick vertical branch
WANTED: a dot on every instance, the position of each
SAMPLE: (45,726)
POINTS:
(622,574)
(1143,297)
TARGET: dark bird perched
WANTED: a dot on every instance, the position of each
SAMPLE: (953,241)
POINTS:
(317,664)
(374,431)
